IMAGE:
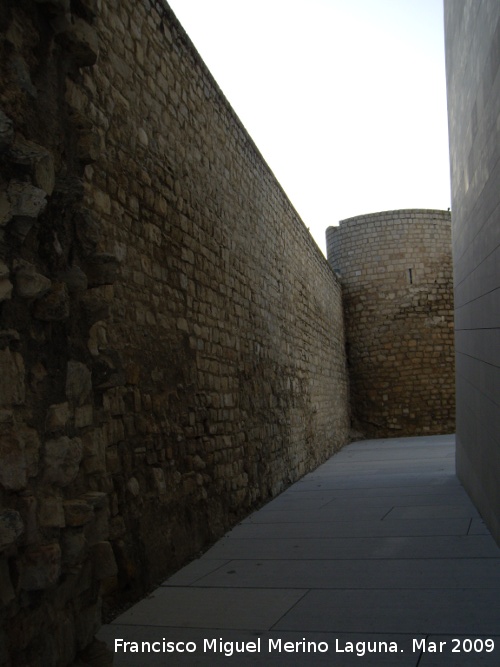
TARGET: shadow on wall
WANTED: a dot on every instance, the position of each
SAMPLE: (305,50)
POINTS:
(172,339)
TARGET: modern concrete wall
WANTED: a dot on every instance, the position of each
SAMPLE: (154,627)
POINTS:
(473,81)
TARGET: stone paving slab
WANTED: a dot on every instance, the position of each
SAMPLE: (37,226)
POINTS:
(444,511)
(435,479)
(471,612)
(218,608)
(392,528)
(342,512)
(343,500)
(468,546)
(380,543)
(477,527)
(365,574)
(389,466)
(444,492)
(327,513)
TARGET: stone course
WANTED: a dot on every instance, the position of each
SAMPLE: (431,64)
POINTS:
(171,338)
(397,279)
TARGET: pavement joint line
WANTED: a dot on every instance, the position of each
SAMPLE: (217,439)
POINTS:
(367,488)
(232,587)
(361,537)
(306,592)
(335,560)
(387,513)
(165,584)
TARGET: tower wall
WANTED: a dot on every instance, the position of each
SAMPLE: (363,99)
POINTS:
(396,272)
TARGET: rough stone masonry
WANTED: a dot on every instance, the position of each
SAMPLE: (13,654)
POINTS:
(171,338)
(397,279)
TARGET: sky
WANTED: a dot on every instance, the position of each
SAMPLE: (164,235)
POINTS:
(345,99)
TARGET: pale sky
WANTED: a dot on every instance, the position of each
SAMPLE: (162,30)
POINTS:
(345,99)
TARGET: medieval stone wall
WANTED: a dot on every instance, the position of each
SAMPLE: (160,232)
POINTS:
(171,343)
(396,272)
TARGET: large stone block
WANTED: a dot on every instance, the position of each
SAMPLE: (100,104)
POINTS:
(38,161)
(81,43)
(30,284)
(88,230)
(27,505)
(11,527)
(22,76)
(51,512)
(78,383)
(104,560)
(13,468)
(94,451)
(74,279)
(5,284)
(12,379)
(40,567)
(7,593)
(77,512)
(5,207)
(6,131)
(27,202)
(31,443)
(74,547)
(54,305)
(88,146)
(62,458)
(57,417)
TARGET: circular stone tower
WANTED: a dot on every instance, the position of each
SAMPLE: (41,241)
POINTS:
(396,273)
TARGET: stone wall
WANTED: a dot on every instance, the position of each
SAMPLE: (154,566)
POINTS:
(472,31)
(171,343)
(396,272)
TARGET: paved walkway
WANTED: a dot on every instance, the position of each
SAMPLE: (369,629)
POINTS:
(379,544)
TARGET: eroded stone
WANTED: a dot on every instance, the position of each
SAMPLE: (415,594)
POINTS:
(37,159)
(40,567)
(51,513)
(57,417)
(74,547)
(54,305)
(30,284)
(75,279)
(11,527)
(62,460)
(6,131)
(5,208)
(27,202)
(77,512)
(78,383)
(88,146)
(81,42)
(5,284)
(12,379)
(104,560)
(7,593)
